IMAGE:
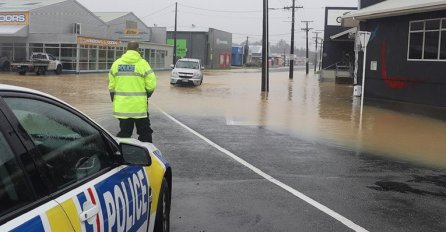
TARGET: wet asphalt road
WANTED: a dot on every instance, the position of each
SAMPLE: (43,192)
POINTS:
(214,193)
(304,134)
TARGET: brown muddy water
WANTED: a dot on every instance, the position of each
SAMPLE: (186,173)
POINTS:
(306,107)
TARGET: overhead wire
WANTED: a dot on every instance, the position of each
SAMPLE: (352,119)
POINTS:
(157,11)
(222,11)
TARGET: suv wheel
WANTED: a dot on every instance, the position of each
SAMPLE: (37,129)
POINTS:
(58,69)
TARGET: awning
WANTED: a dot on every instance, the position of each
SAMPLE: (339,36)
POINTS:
(392,8)
(346,32)
(14,30)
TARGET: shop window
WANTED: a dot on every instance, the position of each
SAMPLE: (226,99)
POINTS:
(426,40)
(102,58)
(68,58)
(19,52)
(53,51)
(111,55)
(443,45)
(119,53)
(83,55)
(6,53)
(68,45)
(92,58)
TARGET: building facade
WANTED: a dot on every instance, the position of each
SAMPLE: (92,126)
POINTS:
(82,40)
(338,47)
(212,47)
(406,53)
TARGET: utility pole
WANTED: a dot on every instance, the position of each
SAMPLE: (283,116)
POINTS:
(315,51)
(175,37)
(246,51)
(306,29)
(321,53)
(265,71)
(292,37)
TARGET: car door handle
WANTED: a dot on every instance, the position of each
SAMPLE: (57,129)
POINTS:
(89,213)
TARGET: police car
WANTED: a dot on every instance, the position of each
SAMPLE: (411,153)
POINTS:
(60,171)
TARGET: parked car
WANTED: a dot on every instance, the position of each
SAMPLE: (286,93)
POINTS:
(39,63)
(60,171)
(187,71)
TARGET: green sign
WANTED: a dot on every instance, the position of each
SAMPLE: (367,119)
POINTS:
(181,47)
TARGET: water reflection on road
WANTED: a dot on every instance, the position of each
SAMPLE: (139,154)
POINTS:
(305,107)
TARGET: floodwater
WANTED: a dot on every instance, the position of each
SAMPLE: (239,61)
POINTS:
(306,107)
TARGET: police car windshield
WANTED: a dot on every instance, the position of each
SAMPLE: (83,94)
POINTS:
(187,64)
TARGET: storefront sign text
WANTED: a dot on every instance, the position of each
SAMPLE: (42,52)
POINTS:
(14,18)
(95,41)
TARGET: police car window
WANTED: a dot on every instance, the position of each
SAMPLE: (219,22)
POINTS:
(71,148)
(14,191)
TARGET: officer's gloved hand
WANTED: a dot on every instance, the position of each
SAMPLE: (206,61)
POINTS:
(112,96)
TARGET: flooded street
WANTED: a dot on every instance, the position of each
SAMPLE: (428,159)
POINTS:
(283,161)
(318,111)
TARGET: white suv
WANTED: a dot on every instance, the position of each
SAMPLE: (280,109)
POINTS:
(187,71)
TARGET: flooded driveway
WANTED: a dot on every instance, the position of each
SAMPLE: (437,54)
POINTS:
(305,107)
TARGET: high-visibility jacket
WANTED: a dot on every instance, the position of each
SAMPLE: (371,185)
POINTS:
(131,82)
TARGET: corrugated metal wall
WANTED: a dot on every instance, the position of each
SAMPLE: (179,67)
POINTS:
(54,23)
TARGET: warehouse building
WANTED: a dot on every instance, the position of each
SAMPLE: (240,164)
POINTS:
(84,41)
(212,47)
(406,53)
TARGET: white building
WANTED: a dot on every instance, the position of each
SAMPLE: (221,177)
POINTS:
(84,41)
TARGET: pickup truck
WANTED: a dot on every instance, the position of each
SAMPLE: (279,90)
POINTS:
(39,63)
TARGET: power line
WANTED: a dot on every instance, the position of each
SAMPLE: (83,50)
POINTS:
(157,11)
(224,16)
(222,11)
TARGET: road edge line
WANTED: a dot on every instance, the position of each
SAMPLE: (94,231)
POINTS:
(271,179)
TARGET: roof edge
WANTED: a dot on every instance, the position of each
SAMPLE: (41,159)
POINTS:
(396,12)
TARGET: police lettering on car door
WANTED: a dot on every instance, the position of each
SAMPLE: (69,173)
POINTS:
(124,205)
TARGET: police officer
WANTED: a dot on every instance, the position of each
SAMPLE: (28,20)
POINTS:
(131,83)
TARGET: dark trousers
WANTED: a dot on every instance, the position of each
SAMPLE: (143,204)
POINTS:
(142,128)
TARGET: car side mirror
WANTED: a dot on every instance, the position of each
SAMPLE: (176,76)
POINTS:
(172,66)
(134,155)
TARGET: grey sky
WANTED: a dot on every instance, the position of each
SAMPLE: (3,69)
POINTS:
(240,17)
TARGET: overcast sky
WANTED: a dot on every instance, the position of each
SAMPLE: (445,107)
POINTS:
(240,17)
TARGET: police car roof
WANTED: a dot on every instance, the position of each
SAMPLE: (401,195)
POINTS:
(13,88)
(18,89)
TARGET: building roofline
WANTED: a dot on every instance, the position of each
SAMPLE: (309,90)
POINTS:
(126,14)
(111,12)
(392,8)
(85,8)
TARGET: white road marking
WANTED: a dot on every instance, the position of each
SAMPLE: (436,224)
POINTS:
(296,193)
(231,122)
